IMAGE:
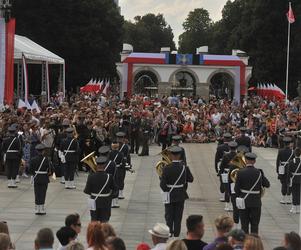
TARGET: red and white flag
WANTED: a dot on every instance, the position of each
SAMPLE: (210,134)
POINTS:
(290,15)
(106,89)
(26,91)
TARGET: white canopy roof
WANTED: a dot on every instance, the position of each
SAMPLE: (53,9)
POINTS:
(34,52)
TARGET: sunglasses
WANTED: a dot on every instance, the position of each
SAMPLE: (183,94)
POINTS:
(79,224)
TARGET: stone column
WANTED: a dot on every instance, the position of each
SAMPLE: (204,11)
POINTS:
(202,90)
(164,88)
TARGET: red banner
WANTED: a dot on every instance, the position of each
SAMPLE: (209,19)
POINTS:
(9,71)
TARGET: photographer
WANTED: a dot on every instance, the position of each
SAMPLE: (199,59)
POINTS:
(169,129)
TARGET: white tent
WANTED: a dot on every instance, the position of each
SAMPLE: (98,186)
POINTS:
(34,52)
(26,52)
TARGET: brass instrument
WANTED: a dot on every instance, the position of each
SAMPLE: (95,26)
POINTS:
(163,163)
(90,160)
(239,162)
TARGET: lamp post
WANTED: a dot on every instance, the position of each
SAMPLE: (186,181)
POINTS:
(5,9)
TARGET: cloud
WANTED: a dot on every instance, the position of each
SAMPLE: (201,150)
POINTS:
(174,11)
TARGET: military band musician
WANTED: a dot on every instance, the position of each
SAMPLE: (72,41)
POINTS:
(174,181)
(40,168)
(285,154)
(248,186)
(102,188)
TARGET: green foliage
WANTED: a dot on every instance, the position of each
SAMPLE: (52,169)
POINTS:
(86,33)
(197,28)
(148,33)
(258,27)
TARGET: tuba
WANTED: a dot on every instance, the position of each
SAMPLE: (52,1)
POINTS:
(90,161)
(163,163)
(239,162)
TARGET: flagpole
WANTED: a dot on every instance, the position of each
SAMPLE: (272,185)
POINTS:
(288,56)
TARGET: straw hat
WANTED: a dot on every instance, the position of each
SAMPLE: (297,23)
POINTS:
(160,230)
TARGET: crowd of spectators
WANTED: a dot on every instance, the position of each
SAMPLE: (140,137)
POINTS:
(146,120)
(102,236)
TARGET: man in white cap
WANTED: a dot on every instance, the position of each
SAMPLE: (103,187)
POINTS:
(160,234)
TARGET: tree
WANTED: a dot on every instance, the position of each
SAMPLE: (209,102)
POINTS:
(196,31)
(223,35)
(260,28)
(86,33)
(148,33)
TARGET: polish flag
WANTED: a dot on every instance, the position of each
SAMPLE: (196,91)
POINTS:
(90,82)
(280,93)
(103,85)
(35,106)
(270,91)
(21,104)
(106,89)
(259,89)
(262,89)
(290,15)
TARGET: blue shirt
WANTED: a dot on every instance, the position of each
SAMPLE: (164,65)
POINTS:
(219,240)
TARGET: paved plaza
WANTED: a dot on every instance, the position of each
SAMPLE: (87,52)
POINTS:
(142,207)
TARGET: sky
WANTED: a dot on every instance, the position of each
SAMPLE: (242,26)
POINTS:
(174,11)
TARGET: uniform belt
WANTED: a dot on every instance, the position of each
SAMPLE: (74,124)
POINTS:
(283,162)
(296,174)
(249,192)
(118,165)
(12,151)
(69,151)
(41,172)
(101,195)
(175,186)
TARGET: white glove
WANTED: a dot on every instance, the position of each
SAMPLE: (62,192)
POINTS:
(62,157)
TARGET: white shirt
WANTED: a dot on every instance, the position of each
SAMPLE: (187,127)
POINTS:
(191,117)
(160,246)
(216,118)
(48,135)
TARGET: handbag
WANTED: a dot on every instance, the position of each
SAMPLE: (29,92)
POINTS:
(240,202)
(92,202)
(166,195)
(62,155)
(33,177)
(225,178)
(281,168)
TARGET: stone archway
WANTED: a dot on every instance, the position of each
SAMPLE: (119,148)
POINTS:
(222,84)
(183,82)
(145,81)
